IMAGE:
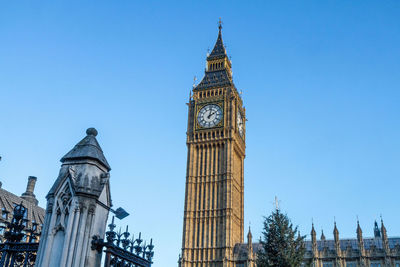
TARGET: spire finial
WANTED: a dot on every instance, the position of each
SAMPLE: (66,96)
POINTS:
(276,203)
(91,131)
(194,81)
(220,24)
(313,233)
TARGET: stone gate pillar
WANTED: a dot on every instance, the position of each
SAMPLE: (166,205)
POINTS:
(77,208)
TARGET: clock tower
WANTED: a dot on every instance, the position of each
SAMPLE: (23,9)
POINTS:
(213,213)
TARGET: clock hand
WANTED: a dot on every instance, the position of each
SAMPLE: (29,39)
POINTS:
(209,116)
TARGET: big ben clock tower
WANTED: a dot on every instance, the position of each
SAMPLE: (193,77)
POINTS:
(213,216)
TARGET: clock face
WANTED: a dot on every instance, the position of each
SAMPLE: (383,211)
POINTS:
(209,116)
(240,123)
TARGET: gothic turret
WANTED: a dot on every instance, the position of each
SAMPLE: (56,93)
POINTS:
(360,237)
(359,232)
(385,240)
(322,235)
(377,232)
(249,248)
(77,207)
(335,233)
(360,242)
(314,240)
(337,244)
(249,239)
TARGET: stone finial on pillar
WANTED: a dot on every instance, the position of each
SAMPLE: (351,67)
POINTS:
(77,207)
(30,188)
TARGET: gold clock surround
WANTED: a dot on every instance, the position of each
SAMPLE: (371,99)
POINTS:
(197,126)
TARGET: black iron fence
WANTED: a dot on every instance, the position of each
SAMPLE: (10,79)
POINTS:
(122,251)
(20,243)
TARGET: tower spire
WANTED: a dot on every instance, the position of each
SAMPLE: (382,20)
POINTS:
(337,245)
(377,232)
(384,236)
(335,232)
(322,235)
(219,48)
(359,231)
(313,239)
(219,68)
(385,243)
(313,233)
(249,236)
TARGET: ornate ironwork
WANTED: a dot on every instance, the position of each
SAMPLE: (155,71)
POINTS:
(122,251)
(20,242)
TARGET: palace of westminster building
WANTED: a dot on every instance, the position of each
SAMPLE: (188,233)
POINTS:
(213,221)
(213,229)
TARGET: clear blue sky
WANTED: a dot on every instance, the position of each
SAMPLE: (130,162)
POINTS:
(320,83)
